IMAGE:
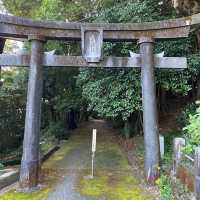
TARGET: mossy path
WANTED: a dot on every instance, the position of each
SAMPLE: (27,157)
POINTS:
(66,172)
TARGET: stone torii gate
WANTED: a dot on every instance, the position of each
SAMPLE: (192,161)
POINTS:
(92,37)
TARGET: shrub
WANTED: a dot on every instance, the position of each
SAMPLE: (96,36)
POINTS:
(192,131)
(183,119)
(11,125)
(164,184)
(57,129)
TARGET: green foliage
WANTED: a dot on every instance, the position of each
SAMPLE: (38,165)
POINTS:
(168,140)
(61,95)
(70,99)
(47,142)
(165,187)
(192,131)
(181,191)
(184,117)
(117,93)
(169,136)
(111,93)
(51,10)
(132,11)
(12,100)
(22,7)
(71,10)
(127,130)
(1,166)
(57,130)
(170,190)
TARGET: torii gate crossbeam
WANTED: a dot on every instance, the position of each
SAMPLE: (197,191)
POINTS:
(92,37)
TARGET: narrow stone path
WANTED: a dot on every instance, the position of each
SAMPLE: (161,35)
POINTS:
(65,176)
(71,165)
(112,180)
(76,160)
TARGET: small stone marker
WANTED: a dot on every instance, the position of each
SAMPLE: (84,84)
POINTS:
(178,144)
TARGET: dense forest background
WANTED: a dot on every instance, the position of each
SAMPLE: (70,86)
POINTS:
(72,95)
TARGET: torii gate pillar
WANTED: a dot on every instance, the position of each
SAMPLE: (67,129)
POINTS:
(150,118)
(30,160)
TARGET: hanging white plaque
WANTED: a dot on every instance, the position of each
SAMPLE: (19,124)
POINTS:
(92,44)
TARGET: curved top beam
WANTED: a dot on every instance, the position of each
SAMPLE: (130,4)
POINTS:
(165,24)
(18,27)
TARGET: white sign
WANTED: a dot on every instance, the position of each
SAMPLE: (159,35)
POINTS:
(162,146)
(94,140)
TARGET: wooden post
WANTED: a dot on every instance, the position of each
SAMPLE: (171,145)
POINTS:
(94,138)
(197,173)
(162,146)
(150,120)
(178,144)
(30,159)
